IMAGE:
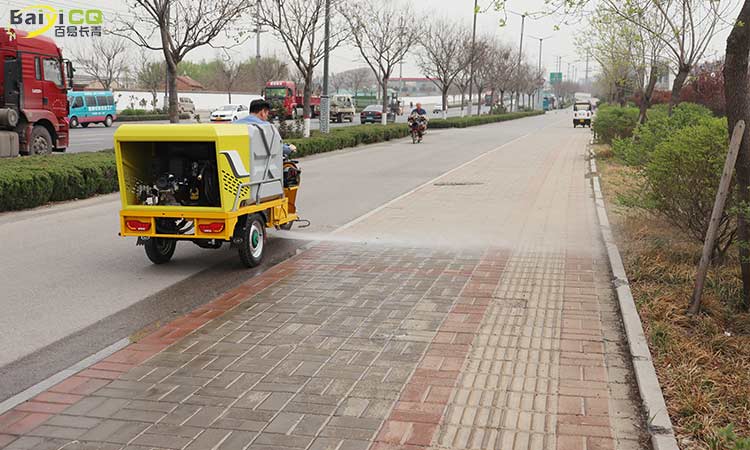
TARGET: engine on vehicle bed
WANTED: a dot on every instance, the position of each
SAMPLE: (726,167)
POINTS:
(178,181)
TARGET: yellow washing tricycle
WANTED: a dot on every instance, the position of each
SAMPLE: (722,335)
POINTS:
(205,183)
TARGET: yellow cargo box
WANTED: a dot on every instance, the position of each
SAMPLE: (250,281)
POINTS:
(205,183)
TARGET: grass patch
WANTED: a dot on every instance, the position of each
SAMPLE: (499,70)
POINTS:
(703,362)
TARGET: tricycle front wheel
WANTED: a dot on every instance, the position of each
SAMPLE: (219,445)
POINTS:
(253,243)
(160,250)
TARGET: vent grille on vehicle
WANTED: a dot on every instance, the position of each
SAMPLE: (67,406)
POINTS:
(231,184)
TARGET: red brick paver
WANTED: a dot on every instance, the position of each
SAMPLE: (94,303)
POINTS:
(509,342)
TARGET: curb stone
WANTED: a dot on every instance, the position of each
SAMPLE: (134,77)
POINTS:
(659,425)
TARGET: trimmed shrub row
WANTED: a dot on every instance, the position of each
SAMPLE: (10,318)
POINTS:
(471,121)
(614,122)
(27,182)
(35,180)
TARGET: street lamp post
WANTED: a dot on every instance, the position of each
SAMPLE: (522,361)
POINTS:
(325,101)
(471,61)
(257,32)
(520,55)
(539,70)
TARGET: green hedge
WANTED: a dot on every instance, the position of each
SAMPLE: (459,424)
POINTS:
(27,182)
(614,122)
(471,121)
(140,117)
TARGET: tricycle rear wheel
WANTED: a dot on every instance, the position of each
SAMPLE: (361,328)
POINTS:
(160,250)
(253,244)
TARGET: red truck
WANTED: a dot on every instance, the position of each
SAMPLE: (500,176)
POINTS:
(34,81)
(283,96)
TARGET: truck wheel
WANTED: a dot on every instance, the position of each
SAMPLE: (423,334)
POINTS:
(108,121)
(253,241)
(160,250)
(41,141)
(74,122)
(85,124)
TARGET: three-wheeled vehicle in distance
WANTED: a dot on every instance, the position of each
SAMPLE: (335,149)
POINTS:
(209,184)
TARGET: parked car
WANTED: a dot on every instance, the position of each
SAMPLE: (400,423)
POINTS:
(186,105)
(91,107)
(374,114)
(228,113)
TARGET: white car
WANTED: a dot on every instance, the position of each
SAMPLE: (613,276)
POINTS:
(228,113)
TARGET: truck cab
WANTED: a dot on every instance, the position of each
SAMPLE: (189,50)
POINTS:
(34,81)
(286,100)
(342,108)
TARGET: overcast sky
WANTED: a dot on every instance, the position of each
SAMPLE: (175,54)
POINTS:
(561,42)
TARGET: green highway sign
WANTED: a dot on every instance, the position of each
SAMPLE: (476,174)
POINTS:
(555,77)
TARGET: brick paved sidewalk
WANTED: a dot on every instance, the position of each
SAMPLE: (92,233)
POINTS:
(483,318)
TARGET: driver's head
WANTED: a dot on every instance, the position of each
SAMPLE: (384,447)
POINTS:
(260,108)
(419,105)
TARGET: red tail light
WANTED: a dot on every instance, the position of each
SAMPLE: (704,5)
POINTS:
(213,227)
(137,225)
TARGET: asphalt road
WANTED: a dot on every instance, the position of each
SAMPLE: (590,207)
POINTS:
(98,137)
(71,286)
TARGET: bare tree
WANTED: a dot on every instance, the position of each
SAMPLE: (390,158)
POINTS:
(502,65)
(230,72)
(383,35)
(442,58)
(268,68)
(176,27)
(300,26)
(358,79)
(484,54)
(151,76)
(684,27)
(106,59)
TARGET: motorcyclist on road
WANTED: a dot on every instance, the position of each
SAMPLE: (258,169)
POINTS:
(418,120)
(260,110)
(419,110)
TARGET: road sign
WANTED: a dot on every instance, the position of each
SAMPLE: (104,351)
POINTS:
(555,77)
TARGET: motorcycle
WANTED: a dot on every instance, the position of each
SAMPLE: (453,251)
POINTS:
(418,126)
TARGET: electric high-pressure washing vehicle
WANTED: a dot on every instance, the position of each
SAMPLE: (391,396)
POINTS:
(209,184)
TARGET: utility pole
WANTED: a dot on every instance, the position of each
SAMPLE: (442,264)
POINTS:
(325,101)
(473,55)
(587,68)
(520,57)
(401,78)
(539,68)
(257,32)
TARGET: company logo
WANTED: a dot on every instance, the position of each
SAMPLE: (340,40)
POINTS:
(73,22)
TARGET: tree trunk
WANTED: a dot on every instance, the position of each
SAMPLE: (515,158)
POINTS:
(174,116)
(463,99)
(445,98)
(306,108)
(479,100)
(679,81)
(502,101)
(736,95)
(230,96)
(384,85)
(648,93)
